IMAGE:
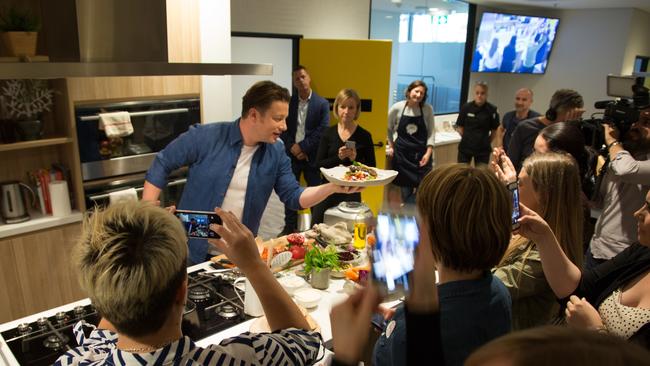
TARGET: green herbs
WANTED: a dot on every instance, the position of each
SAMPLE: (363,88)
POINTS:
(317,259)
(18,20)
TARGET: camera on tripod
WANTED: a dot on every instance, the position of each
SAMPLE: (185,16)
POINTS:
(622,112)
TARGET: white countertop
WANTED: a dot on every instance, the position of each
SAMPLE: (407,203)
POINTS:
(332,296)
(38,222)
(446,138)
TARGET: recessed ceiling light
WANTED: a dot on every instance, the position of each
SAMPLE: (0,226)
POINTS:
(389,17)
(433,10)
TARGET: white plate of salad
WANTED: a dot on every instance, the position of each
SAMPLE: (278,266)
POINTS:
(358,175)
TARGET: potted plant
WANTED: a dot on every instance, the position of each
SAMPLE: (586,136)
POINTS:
(319,263)
(19,31)
(23,102)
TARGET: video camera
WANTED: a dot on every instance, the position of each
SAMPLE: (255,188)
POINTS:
(622,113)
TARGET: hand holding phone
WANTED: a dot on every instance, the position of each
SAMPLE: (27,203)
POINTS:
(197,223)
(393,256)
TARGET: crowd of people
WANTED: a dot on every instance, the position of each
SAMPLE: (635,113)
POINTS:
(482,290)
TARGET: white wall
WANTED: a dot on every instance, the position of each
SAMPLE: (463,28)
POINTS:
(333,19)
(589,45)
(638,40)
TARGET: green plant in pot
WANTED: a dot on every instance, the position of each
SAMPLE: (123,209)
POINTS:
(23,103)
(19,29)
(319,263)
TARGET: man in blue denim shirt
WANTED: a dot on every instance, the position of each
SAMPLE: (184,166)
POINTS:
(236,165)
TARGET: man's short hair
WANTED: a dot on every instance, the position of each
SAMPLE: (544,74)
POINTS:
(298,68)
(261,95)
(482,84)
(564,99)
(344,95)
(466,211)
(131,259)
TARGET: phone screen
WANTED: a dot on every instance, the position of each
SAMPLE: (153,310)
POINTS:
(394,254)
(197,223)
(515,208)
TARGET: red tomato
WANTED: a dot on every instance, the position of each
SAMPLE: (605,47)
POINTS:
(297,252)
(295,239)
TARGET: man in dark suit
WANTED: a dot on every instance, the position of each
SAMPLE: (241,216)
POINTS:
(308,118)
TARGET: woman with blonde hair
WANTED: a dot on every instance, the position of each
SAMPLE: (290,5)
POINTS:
(551,184)
(342,144)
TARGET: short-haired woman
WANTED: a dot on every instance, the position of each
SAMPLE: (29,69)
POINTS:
(131,260)
(411,139)
(465,224)
(333,151)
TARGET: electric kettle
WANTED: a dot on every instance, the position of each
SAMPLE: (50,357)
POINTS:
(13,208)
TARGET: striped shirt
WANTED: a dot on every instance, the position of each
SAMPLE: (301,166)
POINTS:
(285,347)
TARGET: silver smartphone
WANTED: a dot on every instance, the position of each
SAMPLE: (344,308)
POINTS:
(350,145)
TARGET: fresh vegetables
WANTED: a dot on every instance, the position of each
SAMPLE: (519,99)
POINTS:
(358,172)
(317,259)
(295,239)
(297,251)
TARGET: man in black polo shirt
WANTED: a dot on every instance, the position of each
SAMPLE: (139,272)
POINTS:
(477,123)
(523,101)
(565,105)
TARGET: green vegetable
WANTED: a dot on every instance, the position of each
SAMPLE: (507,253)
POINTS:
(317,259)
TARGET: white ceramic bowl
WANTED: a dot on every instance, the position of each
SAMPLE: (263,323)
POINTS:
(292,283)
(307,297)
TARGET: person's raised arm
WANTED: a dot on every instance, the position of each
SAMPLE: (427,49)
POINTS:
(562,275)
(238,244)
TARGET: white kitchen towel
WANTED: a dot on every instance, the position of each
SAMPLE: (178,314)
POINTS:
(60,197)
(123,195)
(116,124)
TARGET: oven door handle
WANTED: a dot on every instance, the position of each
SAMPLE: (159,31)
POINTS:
(138,114)
(137,189)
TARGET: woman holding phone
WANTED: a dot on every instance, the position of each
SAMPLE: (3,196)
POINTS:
(549,184)
(342,144)
(410,139)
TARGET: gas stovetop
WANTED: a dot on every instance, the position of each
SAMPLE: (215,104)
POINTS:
(212,306)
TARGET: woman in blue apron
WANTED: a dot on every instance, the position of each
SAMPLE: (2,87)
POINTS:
(412,120)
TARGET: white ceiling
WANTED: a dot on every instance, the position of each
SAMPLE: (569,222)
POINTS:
(413,5)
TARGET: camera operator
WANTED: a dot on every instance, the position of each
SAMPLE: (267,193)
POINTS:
(626,180)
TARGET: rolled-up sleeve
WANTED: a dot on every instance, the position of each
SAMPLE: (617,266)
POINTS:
(631,170)
(182,151)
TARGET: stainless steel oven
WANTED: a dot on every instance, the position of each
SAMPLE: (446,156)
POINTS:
(112,164)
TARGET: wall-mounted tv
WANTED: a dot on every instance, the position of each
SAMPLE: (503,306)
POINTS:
(513,43)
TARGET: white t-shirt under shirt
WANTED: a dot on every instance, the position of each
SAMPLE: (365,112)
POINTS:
(236,193)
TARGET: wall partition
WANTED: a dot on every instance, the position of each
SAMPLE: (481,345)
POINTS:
(429,43)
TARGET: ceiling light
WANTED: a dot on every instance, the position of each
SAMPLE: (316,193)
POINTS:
(433,10)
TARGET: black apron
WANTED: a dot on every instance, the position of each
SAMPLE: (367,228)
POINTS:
(410,147)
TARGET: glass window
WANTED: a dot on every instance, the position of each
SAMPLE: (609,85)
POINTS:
(428,44)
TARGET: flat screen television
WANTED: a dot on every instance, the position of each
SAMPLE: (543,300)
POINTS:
(511,43)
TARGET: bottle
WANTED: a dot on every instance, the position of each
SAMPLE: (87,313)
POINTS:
(359,234)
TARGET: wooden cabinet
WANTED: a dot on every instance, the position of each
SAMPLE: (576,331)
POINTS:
(446,154)
(36,272)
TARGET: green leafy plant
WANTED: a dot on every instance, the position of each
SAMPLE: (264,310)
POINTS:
(317,259)
(18,20)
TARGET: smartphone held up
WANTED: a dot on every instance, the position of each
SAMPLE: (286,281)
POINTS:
(393,256)
(197,223)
